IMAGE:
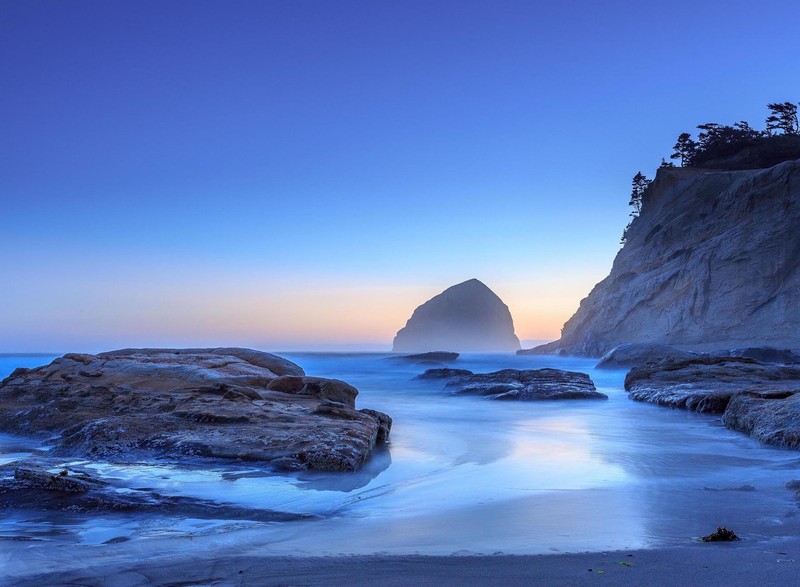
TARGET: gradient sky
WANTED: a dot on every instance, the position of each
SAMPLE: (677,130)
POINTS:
(302,174)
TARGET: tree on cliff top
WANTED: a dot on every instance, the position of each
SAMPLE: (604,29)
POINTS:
(783,117)
(685,149)
(639,187)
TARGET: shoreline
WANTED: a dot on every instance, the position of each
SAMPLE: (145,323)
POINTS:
(739,563)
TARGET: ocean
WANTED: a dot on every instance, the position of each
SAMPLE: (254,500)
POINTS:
(461,475)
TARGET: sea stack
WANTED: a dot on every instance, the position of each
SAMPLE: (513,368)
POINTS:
(468,317)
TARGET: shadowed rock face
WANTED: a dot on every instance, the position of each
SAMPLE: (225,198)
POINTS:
(515,384)
(468,317)
(712,262)
(759,399)
(221,403)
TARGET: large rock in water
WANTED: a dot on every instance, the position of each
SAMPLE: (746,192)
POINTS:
(518,384)
(225,403)
(712,262)
(465,317)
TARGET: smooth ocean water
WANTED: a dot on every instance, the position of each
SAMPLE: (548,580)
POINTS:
(461,475)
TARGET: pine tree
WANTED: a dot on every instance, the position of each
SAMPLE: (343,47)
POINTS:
(783,117)
(685,149)
(639,186)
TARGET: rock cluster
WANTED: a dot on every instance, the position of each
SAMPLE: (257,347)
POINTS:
(759,399)
(516,384)
(226,403)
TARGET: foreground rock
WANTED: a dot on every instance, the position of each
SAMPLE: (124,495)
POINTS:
(632,355)
(468,317)
(756,398)
(711,262)
(769,417)
(515,384)
(221,403)
(35,485)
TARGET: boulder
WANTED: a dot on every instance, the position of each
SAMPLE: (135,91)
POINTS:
(515,384)
(633,354)
(444,373)
(769,417)
(214,403)
(468,317)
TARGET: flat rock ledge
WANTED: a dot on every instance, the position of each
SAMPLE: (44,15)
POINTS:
(430,357)
(758,399)
(224,403)
(41,485)
(516,384)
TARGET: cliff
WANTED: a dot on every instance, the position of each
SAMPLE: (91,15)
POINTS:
(465,317)
(711,262)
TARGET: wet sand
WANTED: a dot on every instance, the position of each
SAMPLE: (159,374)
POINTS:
(764,563)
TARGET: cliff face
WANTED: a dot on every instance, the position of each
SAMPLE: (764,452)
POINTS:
(465,317)
(713,261)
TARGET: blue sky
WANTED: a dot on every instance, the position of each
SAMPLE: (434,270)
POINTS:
(292,174)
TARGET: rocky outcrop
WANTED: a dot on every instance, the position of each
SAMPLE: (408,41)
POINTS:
(712,262)
(431,357)
(770,417)
(218,403)
(632,355)
(35,485)
(759,399)
(515,384)
(468,317)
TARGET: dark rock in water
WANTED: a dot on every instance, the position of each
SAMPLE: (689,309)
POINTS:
(756,398)
(769,417)
(444,373)
(465,317)
(768,355)
(433,356)
(706,384)
(635,354)
(218,403)
(34,487)
(515,384)
(62,481)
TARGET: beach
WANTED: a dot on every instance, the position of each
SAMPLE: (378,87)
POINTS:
(742,563)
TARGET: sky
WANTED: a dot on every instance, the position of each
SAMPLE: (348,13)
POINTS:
(303,174)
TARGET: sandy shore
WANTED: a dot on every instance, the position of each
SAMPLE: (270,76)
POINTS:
(771,563)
